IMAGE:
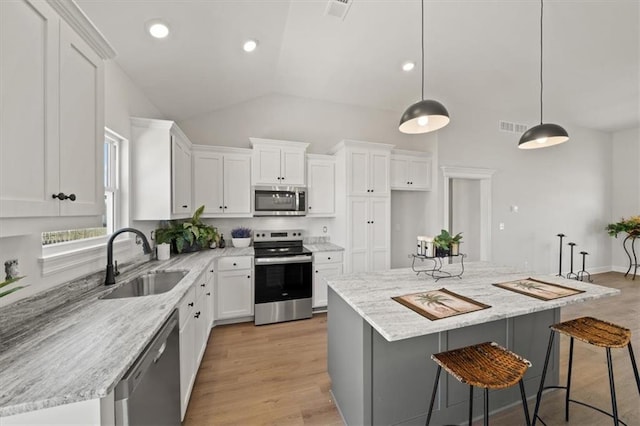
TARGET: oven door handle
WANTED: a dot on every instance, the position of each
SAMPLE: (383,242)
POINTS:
(282,260)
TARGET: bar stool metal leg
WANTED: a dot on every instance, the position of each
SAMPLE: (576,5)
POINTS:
(470,405)
(433,395)
(612,385)
(544,374)
(635,367)
(486,406)
(567,395)
(524,403)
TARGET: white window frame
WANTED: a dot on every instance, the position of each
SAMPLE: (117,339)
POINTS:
(74,254)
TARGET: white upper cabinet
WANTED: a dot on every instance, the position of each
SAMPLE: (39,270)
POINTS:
(321,178)
(222,181)
(278,162)
(160,170)
(52,121)
(411,170)
(367,169)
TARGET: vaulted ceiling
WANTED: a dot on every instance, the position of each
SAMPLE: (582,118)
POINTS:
(483,53)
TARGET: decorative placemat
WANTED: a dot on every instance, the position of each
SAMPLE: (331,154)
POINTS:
(438,304)
(539,289)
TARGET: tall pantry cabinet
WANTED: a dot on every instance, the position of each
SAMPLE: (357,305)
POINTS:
(363,204)
(52,121)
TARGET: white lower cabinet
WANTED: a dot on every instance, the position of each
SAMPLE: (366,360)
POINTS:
(234,287)
(195,324)
(326,264)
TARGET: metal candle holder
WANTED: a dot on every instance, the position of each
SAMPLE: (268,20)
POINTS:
(571,274)
(560,267)
(583,272)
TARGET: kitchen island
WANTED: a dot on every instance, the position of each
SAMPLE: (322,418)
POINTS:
(379,350)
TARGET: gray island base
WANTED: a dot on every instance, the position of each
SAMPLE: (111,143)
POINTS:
(379,350)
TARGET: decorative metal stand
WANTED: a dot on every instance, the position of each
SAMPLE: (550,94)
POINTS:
(436,271)
(633,261)
(583,272)
(571,274)
(560,266)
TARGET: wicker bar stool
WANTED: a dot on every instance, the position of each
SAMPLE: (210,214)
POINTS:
(598,333)
(486,365)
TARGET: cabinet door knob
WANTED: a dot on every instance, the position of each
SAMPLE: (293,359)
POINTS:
(225,207)
(328,257)
(208,294)
(248,276)
(234,264)
(309,207)
(371,221)
(191,304)
(220,207)
(316,272)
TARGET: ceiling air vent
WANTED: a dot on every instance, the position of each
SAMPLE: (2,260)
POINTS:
(507,126)
(338,8)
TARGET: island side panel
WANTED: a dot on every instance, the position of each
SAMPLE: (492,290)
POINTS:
(349,360)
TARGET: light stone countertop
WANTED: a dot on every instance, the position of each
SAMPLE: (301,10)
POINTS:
(80,350)
(320,247)
(369,294)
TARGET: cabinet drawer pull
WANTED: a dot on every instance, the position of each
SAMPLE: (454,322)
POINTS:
(202,285)
(62,196)
(197,314)
(208,293)
(191,304)
(185,206)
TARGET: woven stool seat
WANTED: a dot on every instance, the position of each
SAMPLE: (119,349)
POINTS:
(595,332)
(487,365)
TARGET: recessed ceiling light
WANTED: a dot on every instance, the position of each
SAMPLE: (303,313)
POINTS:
(408,66)
(250,45)
(158,28)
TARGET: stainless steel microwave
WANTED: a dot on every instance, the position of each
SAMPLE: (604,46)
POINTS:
(279,201)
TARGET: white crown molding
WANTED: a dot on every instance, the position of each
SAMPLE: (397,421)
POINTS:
(221,150)
(76,18)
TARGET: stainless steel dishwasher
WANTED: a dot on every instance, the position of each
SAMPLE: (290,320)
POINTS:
(149,393)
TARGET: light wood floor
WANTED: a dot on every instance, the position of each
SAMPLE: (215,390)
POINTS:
(276,374)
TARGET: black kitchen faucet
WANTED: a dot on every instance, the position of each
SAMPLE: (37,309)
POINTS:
(110,277)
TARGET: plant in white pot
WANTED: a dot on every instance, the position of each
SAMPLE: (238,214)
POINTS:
(241,237)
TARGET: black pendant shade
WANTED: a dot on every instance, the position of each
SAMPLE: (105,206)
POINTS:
(424,116)
(543,135)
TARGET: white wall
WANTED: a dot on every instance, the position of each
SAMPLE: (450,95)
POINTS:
(122,99)
(625,188)
(559,189)
(323,124)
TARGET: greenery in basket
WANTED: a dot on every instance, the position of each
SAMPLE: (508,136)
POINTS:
(10,281)
(630,226)
(241,232)
(187,233)
(445,239)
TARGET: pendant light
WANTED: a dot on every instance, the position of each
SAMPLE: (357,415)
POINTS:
(426,115)
(547,134)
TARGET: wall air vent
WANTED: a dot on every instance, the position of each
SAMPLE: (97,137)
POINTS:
(338,8)
(509,127)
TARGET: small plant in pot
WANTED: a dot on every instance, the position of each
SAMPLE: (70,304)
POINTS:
(447,244)
(241,237)
(187,236)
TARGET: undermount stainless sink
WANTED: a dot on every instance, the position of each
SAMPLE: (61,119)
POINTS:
(147,284)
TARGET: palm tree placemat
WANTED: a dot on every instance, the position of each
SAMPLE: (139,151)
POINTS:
(539,289)
(438,304)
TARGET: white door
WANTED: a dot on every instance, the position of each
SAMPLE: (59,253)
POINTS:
(358,172)
(321,188)
(379,173)
(292,166)
(208,181)
(358,227)
(237,184)
(29,105)
(81,125)
(266,166)
(379,233)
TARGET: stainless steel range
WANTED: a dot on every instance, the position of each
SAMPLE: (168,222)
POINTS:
(283,277)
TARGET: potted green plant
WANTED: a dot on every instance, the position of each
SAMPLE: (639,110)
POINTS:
(630,226)
(241,237)
(187,236)
(447,244)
